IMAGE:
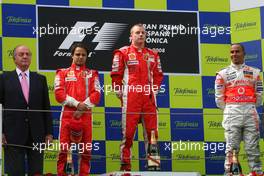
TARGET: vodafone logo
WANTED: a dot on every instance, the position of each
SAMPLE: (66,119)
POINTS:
(241,90)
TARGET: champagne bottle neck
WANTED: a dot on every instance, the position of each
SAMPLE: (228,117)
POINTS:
(153,139)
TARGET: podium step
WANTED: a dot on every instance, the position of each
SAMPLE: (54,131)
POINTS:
(147,173)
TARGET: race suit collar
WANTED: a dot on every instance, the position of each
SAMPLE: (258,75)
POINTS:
(76,67)
(237,66)
(137,49)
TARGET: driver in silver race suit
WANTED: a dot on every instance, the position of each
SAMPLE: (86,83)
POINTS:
(238,91)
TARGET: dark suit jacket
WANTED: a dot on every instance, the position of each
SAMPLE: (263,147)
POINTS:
(16,124)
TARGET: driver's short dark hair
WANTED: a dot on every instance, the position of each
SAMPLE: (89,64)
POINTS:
(80,45)
(241,45)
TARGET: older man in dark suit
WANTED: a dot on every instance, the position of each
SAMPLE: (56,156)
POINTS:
(25,91)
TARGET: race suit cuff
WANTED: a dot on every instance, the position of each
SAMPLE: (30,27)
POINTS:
(70,101)
(88,103)
(221,105)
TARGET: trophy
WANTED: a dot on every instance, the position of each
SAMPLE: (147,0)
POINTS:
(153,154)
(235,168)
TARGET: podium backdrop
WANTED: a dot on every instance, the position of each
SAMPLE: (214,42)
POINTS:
(188,114)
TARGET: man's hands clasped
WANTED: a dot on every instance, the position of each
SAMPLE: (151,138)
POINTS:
(81,108)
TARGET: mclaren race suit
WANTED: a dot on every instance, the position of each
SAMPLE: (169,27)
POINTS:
(238,91)
(73,85)
(136,77)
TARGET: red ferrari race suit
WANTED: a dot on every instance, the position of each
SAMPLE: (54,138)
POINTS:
(73,85)
(136,77)
(238,91)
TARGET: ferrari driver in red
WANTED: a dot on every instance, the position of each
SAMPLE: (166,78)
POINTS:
(136,77)
(78,90)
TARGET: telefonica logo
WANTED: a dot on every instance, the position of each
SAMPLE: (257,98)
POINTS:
(56,122)
(162,124)
(216,60)
(184,124)
(10,53)
(251,57)
(115,156)
(187,157)
(215,157)
(18,20)
(50,156)
(214,25)
(115,123)
(214,124)
(185,92)
(210,91)
(96,123)
(245,25)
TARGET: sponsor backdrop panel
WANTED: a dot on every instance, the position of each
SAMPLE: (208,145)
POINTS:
(214,5)
(90,3)
(50,80)
(214,157)
(1,67)
(187,94)
(118,3)
(98,161)
(208,92)
(245,25)
(188,156)
(1,19)
(9,43)
(214,57)
(50,158)
(113,124)
(148,4)
(113,156)
(110,97)
(253,53)
(163,125)
(99,123)
(19,1)
(187,125)
(56,111)
(182,5)
(212,120)
(262,51)
(261,19)
(163,97)
(102,98)
(18,20)
(51,2)
(214,27)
